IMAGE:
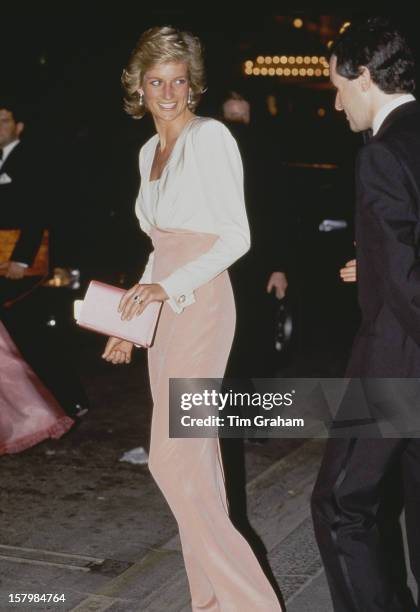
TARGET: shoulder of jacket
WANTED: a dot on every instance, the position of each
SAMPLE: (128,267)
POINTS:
(208,125)
(19,151)
(208,129)
(381,155)
(371,149)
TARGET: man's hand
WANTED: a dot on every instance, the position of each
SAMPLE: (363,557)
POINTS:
(13,270)
(135,300)
(349,272)
(118,351)
(278,282)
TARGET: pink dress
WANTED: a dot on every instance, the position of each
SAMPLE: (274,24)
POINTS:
(195,216)
(28,411)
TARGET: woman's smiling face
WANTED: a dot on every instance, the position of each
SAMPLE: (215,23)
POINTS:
(165,88)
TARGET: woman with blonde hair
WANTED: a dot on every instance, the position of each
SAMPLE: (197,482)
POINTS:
(191,204)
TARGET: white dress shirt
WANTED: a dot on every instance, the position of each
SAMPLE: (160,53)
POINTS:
(385,110)
(7,150)
(201,189)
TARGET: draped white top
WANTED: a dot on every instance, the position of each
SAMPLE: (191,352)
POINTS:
(200,189)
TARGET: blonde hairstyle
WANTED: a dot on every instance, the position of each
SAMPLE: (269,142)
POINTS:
(161,45)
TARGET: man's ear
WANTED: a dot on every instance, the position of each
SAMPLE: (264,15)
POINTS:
(19,127)
(365,78)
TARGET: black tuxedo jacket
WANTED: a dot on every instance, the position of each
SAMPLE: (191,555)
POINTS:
(22,201)
(387,249)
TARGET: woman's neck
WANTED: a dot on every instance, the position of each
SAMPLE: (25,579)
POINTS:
(170,130)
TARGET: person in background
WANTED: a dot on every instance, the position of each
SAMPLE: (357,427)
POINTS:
(25,201)
(259,278)
(29,413)
(18,184)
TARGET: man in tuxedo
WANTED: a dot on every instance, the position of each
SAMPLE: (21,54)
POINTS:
(24,197)
(18,191)
(372,70)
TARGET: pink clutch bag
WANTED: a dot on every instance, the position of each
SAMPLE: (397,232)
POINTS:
(99,312)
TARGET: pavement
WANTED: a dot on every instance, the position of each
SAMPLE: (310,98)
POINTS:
(75,521)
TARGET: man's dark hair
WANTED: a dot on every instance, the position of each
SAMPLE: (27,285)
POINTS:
(381,47)
(9,104)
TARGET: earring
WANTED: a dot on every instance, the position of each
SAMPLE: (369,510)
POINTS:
(141,99)
(190,98)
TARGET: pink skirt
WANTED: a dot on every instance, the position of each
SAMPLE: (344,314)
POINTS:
(28,411)
(222,570)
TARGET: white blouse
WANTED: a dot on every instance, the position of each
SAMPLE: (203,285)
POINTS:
(200,189)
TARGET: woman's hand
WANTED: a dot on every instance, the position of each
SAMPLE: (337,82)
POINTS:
(135,300)
(118,351)
(349,272)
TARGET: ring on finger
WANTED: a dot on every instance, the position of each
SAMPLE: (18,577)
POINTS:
(138,299)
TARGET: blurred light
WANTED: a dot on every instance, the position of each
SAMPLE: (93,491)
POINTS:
(272,105)
(321,112)
(344,26)
(64,277)
(74,278)
(293,65)
(330,44)
(298,23)
(77,308)
(42,60)
(51,322)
